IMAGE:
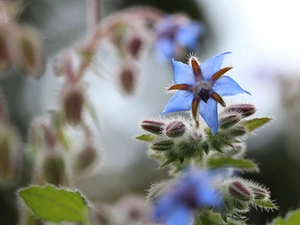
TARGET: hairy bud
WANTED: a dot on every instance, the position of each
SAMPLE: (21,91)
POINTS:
(162,145)
(5,57)
(259,193)
(54,169)
(29,51)
(86,156)
(154,127)
(238,131)
(72,101)
(134,45)
(243,109)
(175,129)
(127,79)
(239,191)
(229,120)
(9,156)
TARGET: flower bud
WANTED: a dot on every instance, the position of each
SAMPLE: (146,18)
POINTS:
(259,193)
(72,101)
(154,127)
(127,79)
(239,191)
(243,109)
(175,129)
(54,169)
(29,51)
(5,58)
(9,156)
(86,156)
(162,145)
(238,131)
(134,46)
(229,120)
(240,205)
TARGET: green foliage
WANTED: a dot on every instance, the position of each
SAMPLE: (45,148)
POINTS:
(255,123)
(56,204)
(146,137)
(219,160)
(266,204)
(293,218)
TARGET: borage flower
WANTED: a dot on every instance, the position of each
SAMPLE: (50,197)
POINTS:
(175,33)
(195,190)
(200,88)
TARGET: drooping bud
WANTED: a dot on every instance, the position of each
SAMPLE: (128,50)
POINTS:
(230,120)
(127,79)
(175,129)
(53,169)
(152,126)
(72,101)
(162,145)
(86,156)
(243,109)
(239,191)
(5,57)
(9,153)
(29,52)
(134,45)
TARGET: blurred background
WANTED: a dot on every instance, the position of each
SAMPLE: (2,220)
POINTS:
(263,37)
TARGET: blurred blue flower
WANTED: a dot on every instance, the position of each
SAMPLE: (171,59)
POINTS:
(200,88)
(193,191)
(175,33)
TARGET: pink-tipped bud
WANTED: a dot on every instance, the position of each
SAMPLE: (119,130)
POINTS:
(162,145)
(229,120)
(175,129)
(127,79)
(9,153)
(29,51)
(134,46)
(243,109)
(154,127)
(72,101)
(239,191)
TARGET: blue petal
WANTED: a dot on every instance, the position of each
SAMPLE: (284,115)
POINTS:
(180,216)
(226,86)
(183,73)
(181,101)
(188,35)
(212,65)
(209,112)
(165,48)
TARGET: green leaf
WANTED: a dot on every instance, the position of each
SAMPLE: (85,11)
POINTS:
(255,123)
(266,204)
(293,218)
(56,204)
(146,137)
(218,160)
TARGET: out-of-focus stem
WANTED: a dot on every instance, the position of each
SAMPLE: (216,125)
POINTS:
(93,14)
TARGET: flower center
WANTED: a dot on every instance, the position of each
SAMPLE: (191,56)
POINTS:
(203,90)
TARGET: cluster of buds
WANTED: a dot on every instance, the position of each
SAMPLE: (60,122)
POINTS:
(240,194)
(178,141)
(21,46)
(173,141)
(233,127)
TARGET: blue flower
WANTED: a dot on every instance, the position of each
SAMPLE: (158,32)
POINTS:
(200,88)
(194,191)
(175,33)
